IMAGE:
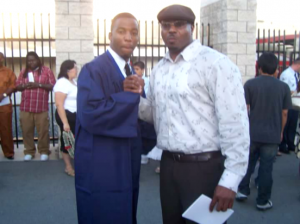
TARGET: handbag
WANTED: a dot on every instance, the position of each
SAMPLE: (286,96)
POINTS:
(69,141)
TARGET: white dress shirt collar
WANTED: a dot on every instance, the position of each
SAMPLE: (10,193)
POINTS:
(187,54)
(120,61)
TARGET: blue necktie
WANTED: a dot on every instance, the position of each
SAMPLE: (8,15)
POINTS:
(296,78)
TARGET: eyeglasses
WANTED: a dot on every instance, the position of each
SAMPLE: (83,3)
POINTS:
(177,24)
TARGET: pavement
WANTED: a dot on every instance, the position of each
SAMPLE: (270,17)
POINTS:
(41,193)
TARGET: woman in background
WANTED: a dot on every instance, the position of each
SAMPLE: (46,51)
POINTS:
(65,91)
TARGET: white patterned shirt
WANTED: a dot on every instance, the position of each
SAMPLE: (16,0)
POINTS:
(197,104)
(290,77)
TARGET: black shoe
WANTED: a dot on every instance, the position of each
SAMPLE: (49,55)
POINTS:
(285,151)
(10,157)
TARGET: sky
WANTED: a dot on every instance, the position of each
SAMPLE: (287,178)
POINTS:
(270,13)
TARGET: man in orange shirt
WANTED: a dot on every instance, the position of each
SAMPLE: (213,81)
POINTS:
(7,85)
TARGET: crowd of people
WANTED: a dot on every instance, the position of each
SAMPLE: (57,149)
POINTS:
(194,114)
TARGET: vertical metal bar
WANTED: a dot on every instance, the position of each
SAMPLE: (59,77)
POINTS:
(105,35)
(274,40)
(42,38)
(196,30)
(284,51)
(299,46)
(208,35)
(202,33)
(51,97)
(139,44)
(20,44)
(257,49)
(278,48)
(152,46)
(98,37)
(4,40)
(269,40)
(34,37)
(26,33)
(13,68)
(264,40)
(146,72)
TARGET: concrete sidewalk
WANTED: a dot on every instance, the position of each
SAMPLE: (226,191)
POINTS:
(41,193)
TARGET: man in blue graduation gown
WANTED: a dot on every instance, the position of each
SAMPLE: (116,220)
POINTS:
(107,154)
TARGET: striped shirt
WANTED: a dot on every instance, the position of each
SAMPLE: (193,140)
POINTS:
(36,100)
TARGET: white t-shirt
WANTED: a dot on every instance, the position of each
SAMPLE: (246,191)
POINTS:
(63,85)
(289,76)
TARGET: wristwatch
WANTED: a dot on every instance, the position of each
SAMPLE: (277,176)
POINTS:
(4,94)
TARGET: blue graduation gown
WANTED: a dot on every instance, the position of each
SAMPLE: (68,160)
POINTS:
(108,146)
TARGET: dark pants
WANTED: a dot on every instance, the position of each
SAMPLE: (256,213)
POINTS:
(267,153)
(289,133)
(72,122)
(181,183)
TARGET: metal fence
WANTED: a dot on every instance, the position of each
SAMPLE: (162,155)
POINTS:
(19,34)
(285,46)
(150,48)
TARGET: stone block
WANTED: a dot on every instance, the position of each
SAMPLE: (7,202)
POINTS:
(235,26)
(83,8)
(242,69)
(233,48)
(67,45)
(250,70)
(247,59)
(247,38)
(60,58)
(229,15)
(82,58)
(252,4)
(87,46)
(86,20)
(61,33)
(251,27)
(236,4)
(232,57)
(251,48)
(67,20)
(67,0)
(248,16)
(81,33)
(61,8)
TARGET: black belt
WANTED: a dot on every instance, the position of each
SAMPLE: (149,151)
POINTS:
(198,157)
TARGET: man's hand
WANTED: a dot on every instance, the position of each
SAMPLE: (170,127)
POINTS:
(133,84)
(32,85)
(224,199)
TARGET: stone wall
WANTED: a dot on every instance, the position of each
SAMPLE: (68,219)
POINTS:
(74,31)
(233,31)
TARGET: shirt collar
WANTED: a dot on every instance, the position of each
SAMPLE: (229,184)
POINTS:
(120,61)
(188,53)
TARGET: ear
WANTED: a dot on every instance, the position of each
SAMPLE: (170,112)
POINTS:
(109,36)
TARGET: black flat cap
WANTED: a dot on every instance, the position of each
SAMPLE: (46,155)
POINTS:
(176,12)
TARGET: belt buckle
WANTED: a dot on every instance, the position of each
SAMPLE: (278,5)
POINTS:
(176,157)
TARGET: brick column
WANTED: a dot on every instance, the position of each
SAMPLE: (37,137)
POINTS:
(233,31)
(74,31)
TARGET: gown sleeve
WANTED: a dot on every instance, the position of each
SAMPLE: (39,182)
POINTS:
(100,111)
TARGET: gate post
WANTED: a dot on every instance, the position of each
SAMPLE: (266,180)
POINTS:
(74,31)
(233,31)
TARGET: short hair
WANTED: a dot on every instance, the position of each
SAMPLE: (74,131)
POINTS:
(121,16)
(268,63)
(2,54)
(297,60)
(32,53)
(65,67)
(139,64)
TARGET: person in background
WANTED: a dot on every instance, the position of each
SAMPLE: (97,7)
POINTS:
(35,82)
(147,130)
(7,86)
(291,77)
(65,91)
(268,100)
(196,102)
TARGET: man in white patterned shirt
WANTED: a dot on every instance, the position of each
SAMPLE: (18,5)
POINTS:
(196,102)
